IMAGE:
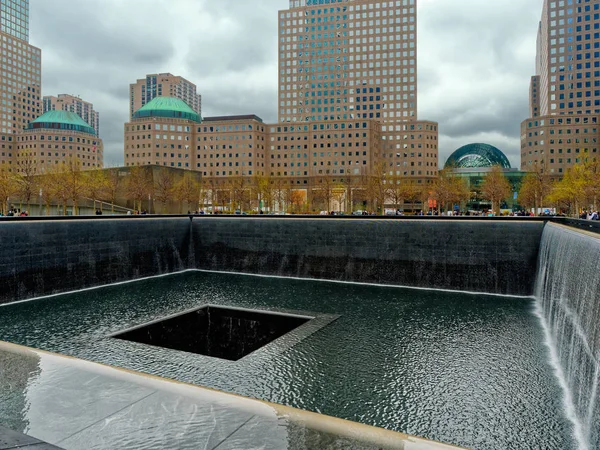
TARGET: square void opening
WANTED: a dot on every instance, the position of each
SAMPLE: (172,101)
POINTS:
(225,333)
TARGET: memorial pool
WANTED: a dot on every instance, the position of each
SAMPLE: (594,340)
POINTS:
(470,370)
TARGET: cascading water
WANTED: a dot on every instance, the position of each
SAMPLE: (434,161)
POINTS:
(568,303)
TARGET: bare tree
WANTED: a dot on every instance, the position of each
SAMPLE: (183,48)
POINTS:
(113,187)
(267,195)
(449,189)
(378,186)
(496,188)
(535,188)
(26,176)
(57,186)
(96,184)
(240,192)
(48,184)
(186,190)
(164,189)
(297,199)
(204,194)
(323,192)
(279,188)
(73,182)
(412,193)
(578,188)
(9,186)
(138,186)
(396,191)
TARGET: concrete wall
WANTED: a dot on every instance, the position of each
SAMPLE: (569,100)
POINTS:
(40,257)
(45,257)
(485,256)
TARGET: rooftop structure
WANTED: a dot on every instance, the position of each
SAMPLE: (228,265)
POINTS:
(73,104)
(56,137)
(477,156)
(143,91)
(167,107)
(62,120)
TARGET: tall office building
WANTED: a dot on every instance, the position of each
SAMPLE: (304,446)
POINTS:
(163,85)
(14,18)
(565,91)
(348,59)
(83,109)
(357,59)
(20,77)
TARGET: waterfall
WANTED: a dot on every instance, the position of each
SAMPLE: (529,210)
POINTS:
(568,303)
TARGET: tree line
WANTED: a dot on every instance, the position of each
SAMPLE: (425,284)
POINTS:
(67,185)
(578,189)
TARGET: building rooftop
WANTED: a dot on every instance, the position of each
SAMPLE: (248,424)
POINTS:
(61,120)
(477,156)
(169,107)
(233,118)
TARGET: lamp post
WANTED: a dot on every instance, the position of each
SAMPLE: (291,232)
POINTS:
(41,202)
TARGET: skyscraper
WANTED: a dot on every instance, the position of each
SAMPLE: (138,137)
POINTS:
(348,59)
(357,59)
(163,85)
(65,102)
(14,18)
(20,78)
(565,91)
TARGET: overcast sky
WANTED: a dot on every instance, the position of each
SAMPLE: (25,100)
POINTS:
(475,59)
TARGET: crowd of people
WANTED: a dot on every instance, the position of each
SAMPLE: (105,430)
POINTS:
(585,214)
(589,215)
(15,212)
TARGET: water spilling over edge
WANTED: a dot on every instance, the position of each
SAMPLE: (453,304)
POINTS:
(568,304)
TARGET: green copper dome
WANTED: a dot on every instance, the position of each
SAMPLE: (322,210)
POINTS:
(477,155)
(61,120)
(169,107)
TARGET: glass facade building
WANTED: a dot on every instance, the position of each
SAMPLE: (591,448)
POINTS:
(14,18)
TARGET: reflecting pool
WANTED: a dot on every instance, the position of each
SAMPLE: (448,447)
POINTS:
(470,370)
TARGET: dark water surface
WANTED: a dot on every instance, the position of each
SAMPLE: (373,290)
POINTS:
(470,370)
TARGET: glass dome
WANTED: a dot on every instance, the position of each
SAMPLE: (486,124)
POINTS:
(477,156)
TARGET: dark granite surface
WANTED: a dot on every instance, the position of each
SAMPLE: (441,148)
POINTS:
(498,257)
(41,257)
(45,257)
